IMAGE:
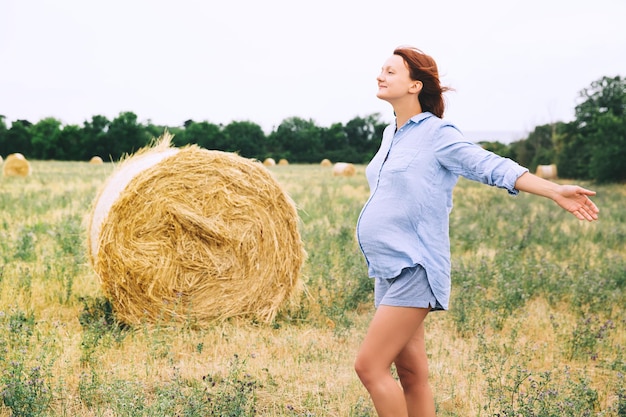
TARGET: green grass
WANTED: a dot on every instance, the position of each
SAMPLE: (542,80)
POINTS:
(535,327)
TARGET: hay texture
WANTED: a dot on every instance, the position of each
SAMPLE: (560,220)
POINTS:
(16,165)
(344,169)
(191,235)
(548,172)
(96,160)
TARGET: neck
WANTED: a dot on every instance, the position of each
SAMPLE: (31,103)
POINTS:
(404,111)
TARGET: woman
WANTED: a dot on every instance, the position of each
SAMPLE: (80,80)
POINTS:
(403,227)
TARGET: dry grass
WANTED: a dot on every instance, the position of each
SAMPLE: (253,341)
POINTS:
(303,359)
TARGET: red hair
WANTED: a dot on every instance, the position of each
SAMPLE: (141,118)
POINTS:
(423,68)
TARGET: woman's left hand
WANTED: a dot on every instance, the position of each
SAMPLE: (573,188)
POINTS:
(576,200)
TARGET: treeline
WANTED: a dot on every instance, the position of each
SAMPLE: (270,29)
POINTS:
(296,139)
(592,147)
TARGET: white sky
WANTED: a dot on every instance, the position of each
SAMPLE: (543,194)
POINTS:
(514,64)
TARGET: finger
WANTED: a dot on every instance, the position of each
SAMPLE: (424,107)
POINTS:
(590,206)
(579,215)
(593,207)
(586,191)
(588,214)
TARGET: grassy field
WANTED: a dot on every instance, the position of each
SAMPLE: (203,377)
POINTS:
(536,325)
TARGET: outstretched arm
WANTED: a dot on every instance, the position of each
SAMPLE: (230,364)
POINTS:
(572,198)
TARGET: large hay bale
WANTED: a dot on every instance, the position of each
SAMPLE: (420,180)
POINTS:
(96,160)
(192,235)
(345,169)
(546,171)
(326,163)
(269,162)
(16,165)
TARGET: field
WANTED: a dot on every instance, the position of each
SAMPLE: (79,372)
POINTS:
(536,325)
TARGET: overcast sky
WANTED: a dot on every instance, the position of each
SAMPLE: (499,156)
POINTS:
(513,64)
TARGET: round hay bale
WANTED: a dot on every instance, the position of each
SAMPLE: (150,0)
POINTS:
(16,165)
(96,160)
(345,169)
(194,235)
(546,171)
(326,163)
(269,162)
(283,162)
(1,160)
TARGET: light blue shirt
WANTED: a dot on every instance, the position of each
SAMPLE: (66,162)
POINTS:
(405,220)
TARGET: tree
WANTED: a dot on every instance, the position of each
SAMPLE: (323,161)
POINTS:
(18,138)
(297,139)
(364,135)
(3,136)
(606,95)
(608,157)
(335,144)
(538,147)
(245,138)
(125,135)
(45,139)
(154,132)
(70,144)
(573,153)
(94,137)
(204,134)
(593,146)
(497,147)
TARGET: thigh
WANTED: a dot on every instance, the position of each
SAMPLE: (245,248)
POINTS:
(412,361)
(391,329)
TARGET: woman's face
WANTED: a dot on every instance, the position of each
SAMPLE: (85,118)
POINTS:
(394,81)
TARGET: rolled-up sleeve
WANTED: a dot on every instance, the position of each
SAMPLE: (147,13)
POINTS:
(465,158)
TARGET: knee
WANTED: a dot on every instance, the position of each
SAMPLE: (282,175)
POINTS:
(360,368)
(413,376)
(363,370)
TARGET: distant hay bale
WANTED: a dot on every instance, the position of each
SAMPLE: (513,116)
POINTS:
(283,162)
(16,165)
(1,160)
(345,169)
(546,171)
(194,235)
(96,160)
(326,163)
(269,162)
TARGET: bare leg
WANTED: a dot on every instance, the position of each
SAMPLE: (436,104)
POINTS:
(412,367)
(391,330)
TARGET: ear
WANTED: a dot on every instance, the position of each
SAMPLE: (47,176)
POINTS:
(416,87)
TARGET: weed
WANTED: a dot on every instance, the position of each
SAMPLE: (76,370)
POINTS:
(98,320)
(513,389)
(233,396)
(25,389)
(25,245)
(24,386)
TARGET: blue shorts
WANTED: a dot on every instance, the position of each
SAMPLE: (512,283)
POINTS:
(409,289)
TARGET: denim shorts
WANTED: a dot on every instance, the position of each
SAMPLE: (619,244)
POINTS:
(409,289)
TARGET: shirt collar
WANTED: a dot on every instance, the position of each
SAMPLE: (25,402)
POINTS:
(419,117)
(415,119)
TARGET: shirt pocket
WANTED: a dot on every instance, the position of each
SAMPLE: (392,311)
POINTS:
(400,160)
